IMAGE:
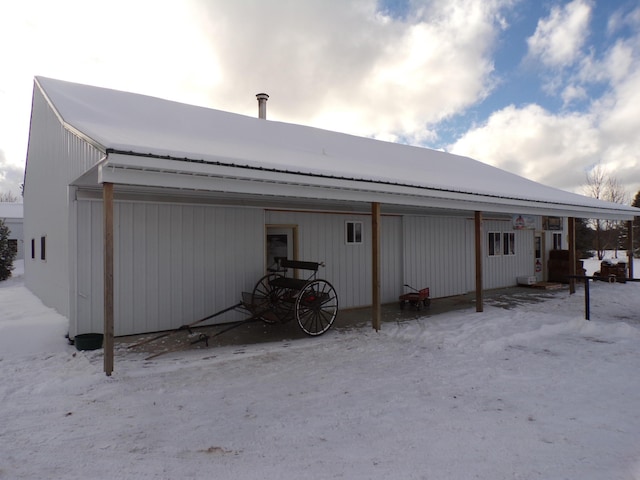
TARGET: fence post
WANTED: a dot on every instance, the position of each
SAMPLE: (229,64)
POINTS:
(587,303)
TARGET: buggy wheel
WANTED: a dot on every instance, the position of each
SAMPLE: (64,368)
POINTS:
(427,302)
(316,307)
(265,298)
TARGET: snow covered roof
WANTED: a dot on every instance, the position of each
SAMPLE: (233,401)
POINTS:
(152,138)
(11,210)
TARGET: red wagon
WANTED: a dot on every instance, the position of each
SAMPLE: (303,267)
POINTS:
(416,298)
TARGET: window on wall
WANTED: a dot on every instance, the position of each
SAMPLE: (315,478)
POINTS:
(43,248)
(33,248)
(538,246)
(557,241)
(354,232)
(502,243)
(494,243)
(509,243)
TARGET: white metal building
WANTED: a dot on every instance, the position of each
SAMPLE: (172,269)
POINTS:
(204,199)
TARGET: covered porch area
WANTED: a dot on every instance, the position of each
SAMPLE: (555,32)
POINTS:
(258,332)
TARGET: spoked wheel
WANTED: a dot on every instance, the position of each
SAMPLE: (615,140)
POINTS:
(316,307)
(266,298)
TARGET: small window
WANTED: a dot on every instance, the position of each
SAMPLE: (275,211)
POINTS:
(509,243)
(557,241)
(494,244)
(43,248)
(33,248)
(354,232)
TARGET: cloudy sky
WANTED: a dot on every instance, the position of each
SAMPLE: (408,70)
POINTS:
(542,88)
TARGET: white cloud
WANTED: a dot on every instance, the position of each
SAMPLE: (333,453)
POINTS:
(536,144)
(559,38)
(620,125)
(11,177)
(558,148)
(143,46)
(623,18)
(620,60)
(344,66)
(337,65)
(329,63)
(573,93)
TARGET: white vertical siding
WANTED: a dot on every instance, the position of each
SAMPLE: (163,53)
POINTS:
(470,246)
(391,259)
(436,254)
(55,158)
(502,270)
(173,263)
(565,236)
(90,280)
(176,263)
(321,238)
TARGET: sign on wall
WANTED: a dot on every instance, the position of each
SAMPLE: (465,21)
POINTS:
(524,222)
(552,223)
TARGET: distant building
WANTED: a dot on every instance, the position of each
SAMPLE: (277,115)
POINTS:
(12,215)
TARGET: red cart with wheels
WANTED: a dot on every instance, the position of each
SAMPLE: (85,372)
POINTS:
(416,298)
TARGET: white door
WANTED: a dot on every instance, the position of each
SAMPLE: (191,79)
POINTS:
(538,248)
(280,243)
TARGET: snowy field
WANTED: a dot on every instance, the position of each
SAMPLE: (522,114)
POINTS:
(534,392)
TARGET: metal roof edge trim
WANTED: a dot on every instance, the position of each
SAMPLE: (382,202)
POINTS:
(342,190)
(124,159)
(66,125)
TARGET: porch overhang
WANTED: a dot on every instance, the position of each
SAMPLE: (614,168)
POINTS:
(145,171)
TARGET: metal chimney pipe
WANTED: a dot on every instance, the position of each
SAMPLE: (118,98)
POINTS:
(262,105)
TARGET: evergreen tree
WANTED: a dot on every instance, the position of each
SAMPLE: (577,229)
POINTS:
(7,254)
(584,238)
(636,228)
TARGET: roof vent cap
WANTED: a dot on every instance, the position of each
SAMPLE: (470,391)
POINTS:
(262,105)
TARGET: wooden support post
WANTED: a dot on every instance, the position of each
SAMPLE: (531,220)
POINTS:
(107,200)
(572,255)
(630,247)
(478,239)
(375,264)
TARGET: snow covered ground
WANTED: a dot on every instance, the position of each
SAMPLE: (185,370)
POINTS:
(534,392)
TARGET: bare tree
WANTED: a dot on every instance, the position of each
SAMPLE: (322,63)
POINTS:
(8,197)
(603,186)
